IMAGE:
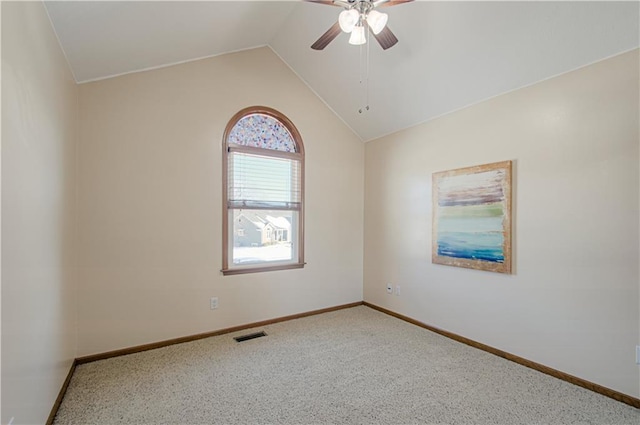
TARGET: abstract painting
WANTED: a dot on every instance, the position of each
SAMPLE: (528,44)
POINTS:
(472,217)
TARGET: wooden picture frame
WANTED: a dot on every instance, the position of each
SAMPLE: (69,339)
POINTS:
(472,217)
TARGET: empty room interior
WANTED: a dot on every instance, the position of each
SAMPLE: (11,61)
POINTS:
(431,210)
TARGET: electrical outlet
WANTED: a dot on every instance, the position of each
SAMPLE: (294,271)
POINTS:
(637,354)
(397,290)
(214,303)
(389,289)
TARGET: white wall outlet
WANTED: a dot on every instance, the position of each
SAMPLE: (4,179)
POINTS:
(214,303)
(398,290)
(637,354)
(389,288)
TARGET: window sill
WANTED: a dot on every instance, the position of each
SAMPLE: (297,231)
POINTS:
(260,269)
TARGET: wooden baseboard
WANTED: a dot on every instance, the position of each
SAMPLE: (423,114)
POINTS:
(165,343)
(624,398)
(63,390)
(145,347)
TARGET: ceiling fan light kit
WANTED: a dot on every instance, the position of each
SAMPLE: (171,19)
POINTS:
(358,36)
(348,20)
(377,21)
(352,20)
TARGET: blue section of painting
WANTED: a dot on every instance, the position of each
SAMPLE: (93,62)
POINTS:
(486,246)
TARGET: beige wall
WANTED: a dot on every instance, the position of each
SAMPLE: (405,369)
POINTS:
(39,134)
(572,302)
(150,203)
(149,213)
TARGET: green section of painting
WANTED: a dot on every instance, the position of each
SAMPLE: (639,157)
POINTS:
(472,211)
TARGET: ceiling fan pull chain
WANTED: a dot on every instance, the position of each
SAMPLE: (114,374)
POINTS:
(364,72)
(360,72)
(367,83)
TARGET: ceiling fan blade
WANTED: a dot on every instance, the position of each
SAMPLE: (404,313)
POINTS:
(386,38)
(388,3)
(330,2)
(327,37)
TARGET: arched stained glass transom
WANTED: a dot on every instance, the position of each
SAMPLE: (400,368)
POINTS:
(262,131)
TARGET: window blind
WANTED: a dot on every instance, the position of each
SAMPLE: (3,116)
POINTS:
(263,182)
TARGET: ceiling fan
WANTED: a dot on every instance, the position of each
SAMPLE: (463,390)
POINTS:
(353,18)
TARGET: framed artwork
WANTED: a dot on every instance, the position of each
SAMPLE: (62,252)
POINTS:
(472,217)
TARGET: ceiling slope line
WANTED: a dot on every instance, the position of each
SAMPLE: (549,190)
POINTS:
(306,83)
(166,65)
(469,105)
(64,53)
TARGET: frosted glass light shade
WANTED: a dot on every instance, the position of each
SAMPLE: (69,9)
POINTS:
(377,21)
(348,19)
(357,36)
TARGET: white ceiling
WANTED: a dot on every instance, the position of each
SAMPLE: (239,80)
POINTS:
(450,54)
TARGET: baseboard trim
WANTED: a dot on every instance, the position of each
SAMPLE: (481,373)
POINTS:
(160,344)
(624,398)
(63,390)
(165,343)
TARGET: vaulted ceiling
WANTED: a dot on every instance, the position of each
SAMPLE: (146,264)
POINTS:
(450,54)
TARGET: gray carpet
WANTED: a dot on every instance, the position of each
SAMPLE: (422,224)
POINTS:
(354,366)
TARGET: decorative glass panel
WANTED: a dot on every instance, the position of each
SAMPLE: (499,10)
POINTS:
(262,131)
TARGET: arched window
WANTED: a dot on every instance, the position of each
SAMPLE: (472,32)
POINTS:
(263,193)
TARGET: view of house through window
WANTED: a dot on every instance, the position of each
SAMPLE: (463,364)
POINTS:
(262,235)
(263,193)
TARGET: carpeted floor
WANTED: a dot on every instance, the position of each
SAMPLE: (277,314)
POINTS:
(353,366)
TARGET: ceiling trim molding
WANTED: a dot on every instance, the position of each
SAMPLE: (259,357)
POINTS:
(166,65)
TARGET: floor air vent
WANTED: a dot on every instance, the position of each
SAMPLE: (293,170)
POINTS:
(250,336)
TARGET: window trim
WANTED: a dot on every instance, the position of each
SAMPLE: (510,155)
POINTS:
(226,223)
